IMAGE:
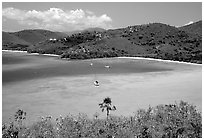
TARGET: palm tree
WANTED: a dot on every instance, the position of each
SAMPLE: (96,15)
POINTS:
(106,104)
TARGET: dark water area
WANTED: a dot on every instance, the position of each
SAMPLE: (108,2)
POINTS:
(32,67)
(45,85)
(12,60)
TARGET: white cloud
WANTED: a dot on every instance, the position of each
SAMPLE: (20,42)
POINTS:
(191,22)
(58,19)
(89,12)
(29,23)
(12,13)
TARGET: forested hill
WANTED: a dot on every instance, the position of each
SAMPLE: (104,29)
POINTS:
(195,28)
(154,40)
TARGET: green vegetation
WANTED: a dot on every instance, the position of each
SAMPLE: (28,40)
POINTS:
(195,28)
(154,40)
(180,120)
(107,104)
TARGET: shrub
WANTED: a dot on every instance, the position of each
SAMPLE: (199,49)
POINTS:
(180,120)
(13,128)
(107,104)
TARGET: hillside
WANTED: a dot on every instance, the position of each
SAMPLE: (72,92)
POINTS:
(96,29)
(10,41)
(154,40)
(195,28)
(36,36)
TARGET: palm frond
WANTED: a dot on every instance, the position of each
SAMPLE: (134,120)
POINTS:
(101,105)
(114,107)
(107,100)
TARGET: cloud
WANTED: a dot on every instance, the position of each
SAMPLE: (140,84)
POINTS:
(191,22)
(57,19)
(89,12)
(12,13)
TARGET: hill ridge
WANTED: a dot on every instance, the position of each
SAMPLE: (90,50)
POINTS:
(155,40)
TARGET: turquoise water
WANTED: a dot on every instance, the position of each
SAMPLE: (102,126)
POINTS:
(33,67)
(43,85)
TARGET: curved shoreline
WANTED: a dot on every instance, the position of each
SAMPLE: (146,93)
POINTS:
(144,58)
(161,60)
(30,53)
(59,94)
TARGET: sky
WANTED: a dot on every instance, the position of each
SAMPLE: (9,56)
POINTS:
(70,16)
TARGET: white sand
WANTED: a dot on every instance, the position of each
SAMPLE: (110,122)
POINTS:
(138,58)
(161,60)
(15,51)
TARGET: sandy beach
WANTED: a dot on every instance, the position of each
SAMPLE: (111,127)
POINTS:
(130,88)
(15,51)
(137,58)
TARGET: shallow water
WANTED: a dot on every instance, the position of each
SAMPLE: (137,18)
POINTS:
(21,67)
(48,86)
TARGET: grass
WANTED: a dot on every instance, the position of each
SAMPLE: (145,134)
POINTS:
(179,120)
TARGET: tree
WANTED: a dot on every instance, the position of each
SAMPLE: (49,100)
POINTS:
(106,104)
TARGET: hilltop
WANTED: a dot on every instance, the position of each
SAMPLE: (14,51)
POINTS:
(26,38)
(155,40)
(85,30)
(38,35)
(10,41)
(194,28)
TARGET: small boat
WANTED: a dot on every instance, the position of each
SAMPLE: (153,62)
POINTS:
(96,83)
(106,66)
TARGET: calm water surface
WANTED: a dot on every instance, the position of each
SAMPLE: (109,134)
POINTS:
(43,85)
(21,66)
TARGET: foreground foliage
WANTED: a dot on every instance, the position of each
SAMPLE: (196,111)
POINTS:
(107,104)
(163,121)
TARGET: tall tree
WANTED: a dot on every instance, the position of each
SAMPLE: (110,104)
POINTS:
(107,104)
